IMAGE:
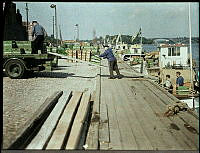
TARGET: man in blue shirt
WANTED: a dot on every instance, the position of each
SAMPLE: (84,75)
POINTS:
(112,62)
(179,80)
(38,34)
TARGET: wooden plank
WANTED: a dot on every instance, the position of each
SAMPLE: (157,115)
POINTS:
(187,137)
(162,126)
(113,122)
(32,126)
(43,136)
(142,140)
(103,127)
(150,124)
(74,136)
(127,137)
(93,133)
(63,128)
(114,129)
(104,138)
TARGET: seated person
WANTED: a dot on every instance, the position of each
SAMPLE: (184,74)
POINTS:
(167,84)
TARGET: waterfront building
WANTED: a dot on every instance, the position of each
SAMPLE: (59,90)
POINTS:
(173,55)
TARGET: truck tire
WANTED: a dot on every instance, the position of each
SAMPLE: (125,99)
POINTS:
(15,69)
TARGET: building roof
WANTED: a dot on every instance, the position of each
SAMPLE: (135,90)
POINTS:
(69,41)
(172,45)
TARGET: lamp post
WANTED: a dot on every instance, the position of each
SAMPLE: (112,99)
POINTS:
(77,32)
(27,24)
(54,6)
(53,26)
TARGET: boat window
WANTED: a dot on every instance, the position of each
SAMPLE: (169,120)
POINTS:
(135,50)
(173,52)
(169,52)
(178,51)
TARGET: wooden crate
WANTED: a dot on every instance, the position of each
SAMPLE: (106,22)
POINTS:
(88,56)
(79,52)
(84,55)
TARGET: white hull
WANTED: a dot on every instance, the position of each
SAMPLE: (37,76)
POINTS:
(189,102)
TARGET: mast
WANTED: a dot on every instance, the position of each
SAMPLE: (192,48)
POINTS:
(141,37)
(190,40)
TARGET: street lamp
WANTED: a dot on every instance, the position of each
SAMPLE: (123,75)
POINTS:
(27,24)
(77,30)
(54,6)
(53,27)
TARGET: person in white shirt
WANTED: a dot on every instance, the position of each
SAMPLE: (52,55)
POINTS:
(168,84)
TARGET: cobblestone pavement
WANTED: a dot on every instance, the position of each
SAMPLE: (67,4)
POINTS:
(22,97)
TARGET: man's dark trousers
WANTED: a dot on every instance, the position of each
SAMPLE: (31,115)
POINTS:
(113,66)
(38,44)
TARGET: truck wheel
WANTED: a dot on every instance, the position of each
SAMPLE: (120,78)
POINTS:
(14,69)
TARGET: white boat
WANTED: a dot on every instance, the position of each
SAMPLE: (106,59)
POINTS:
(192,101)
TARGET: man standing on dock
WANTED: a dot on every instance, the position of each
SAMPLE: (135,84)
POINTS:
(112,62)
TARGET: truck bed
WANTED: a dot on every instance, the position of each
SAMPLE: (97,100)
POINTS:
(35,56)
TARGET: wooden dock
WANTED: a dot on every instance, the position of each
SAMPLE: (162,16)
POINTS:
(122,114)
(131,112)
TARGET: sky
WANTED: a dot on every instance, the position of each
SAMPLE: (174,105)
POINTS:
(157,20)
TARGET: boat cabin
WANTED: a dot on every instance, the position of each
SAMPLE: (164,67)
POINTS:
(136,49)
(173,55)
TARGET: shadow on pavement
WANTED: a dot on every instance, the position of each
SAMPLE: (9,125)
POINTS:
(51,74)
(124,76)
(58,75)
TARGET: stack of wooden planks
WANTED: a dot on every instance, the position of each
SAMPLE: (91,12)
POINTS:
(63,127)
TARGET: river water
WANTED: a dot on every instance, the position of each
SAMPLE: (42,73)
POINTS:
(195,50)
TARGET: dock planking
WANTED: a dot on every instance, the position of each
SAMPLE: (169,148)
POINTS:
(114,130)
(103,127)
(145,117)
(177,130)
(92,141)
(135,116)
(127,114)
(135,121)
(159,125)
(190,138)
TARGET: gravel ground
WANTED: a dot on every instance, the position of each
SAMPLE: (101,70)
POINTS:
(22,97)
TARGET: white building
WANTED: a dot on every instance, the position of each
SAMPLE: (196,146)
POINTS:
(173,55)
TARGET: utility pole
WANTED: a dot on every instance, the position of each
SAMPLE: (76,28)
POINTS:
(54,6)
(60,34)
(53,27)
(190,40)
(27,20)
(77,32)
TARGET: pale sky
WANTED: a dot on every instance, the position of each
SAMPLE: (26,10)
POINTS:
(156,19)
